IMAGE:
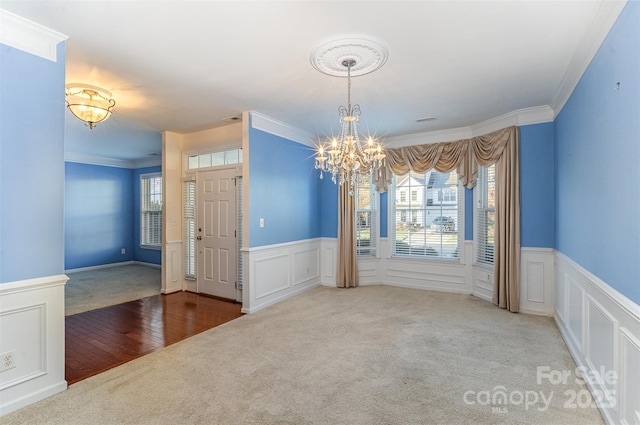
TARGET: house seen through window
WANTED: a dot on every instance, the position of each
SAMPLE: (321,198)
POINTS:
(427,225)
(365,199)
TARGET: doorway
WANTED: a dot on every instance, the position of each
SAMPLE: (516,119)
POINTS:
(217,233)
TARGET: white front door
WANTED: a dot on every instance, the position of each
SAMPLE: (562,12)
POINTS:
(216,236)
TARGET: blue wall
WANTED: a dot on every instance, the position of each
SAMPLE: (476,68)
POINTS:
(597,138)
(102,216)
(31,164)
(283,190)
(98,215)
(144,255)
(537,186)
(328,206)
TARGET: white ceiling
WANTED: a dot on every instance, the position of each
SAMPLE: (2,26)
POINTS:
(185,66)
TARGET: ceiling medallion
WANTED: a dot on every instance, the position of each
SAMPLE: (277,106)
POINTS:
(367,54)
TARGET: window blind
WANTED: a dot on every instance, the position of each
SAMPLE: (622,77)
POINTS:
(427,222)
(485,214)
(189,216)
(151,210)
(239,228)
(366,216)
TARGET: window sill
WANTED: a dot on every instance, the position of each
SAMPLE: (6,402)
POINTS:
(429,259)
(484,266)
(153,247)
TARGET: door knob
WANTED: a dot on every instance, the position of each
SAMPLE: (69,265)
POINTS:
(199,238)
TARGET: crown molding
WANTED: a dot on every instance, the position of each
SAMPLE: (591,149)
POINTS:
(278,128)
(519,117)
(602,21)
(152,161)
(428,137)
(28,36)
(84,158)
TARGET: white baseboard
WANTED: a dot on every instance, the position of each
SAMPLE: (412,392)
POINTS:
(107,266)
(32,320)
(152,265)
(100,266)
(601,328)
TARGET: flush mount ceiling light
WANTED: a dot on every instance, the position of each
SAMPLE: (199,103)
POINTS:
(346,156)
(91,104)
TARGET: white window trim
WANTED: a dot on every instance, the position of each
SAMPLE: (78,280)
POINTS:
(476,242)
(157,247)
(376,214)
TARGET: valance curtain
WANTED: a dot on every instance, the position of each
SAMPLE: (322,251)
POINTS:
(501,147)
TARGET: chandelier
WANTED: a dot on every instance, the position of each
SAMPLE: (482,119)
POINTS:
(91,104)
(348,156)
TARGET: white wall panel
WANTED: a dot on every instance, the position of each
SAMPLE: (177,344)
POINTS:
(601,328)
(536,281)
(306,265)
(561,294)
(271,274)
(173,276)
(601,347)
(629,378)
(575,304)
(32,328)
(277,272)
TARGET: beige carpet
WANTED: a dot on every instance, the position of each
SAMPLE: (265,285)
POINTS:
(369,355)
(92,289)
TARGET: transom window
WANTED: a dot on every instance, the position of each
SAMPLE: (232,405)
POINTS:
(428,224)
(214,159)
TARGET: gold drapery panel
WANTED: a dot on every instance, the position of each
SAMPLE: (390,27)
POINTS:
(347,276)
(501,147)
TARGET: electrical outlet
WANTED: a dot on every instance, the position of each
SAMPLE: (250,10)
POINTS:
(8,361)
(123,251)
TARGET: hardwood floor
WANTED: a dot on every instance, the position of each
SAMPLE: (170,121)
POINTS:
(98,340)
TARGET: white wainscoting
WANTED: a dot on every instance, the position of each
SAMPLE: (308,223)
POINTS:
(464,277)
(601,327)
(536,281)
(329,261)
(173,277)
(32,328)
(277,272)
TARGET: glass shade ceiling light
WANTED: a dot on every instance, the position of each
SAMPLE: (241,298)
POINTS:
(347,156)
(91,104)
